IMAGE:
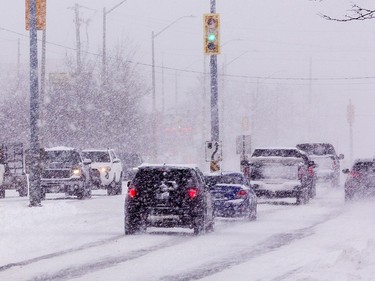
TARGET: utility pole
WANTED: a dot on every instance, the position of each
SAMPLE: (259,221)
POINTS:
(350,114)
(214,165)
(43,79)
(104,55)
(34,177)
(78,38)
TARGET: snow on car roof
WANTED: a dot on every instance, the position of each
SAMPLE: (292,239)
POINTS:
(59,148)
(217,173)
(146,165)
(96,149)
(273,159)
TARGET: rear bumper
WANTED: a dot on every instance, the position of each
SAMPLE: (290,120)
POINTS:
(278,193)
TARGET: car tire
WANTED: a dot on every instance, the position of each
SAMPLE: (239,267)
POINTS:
(253,214)
(2,193)
(133,224)
(111,188)
(199,224)
(23,192)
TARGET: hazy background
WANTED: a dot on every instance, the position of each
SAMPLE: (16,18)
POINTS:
(287,70)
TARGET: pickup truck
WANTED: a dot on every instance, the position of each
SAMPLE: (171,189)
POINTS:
(106,169)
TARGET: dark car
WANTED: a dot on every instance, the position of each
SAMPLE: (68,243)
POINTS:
(234,200)
(226,177)
(168,196)
(360,181)
(328,162)
(280,177)
(65,171)
(294,153)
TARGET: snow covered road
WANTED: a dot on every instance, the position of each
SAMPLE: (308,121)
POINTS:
(68,239)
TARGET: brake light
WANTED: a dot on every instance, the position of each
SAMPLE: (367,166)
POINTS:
(355,174)
(241,194)
(334,164)
(132,192)
(192,192)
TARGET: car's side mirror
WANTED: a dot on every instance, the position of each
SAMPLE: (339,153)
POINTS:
(116,160)
(346,171)
(87,161)
(341,156)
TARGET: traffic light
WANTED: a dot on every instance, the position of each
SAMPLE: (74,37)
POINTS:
(211,34)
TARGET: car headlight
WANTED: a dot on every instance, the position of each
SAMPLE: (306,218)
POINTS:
(104,169)
(77,172)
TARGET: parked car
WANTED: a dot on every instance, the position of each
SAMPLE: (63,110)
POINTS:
(292,152)
(226,177)
(168,196)
(106,170)
(328,162)
(234,200)
(64,171)
(280,177)
(360,181)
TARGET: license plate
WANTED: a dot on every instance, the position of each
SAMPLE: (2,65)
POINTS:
(162,196)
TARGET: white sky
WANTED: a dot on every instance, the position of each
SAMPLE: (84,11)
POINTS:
(269,38)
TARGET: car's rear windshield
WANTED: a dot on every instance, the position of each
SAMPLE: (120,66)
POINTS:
(96,156)
(62,156)
(274,171)
(276,152)
(364,166)
(317,148)
(229,179)
(155,177)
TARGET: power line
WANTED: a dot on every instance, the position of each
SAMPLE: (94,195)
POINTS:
(201,72)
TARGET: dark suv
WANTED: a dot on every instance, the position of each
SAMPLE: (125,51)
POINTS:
(168,196)
(360,182)
(64,171)
(328,162)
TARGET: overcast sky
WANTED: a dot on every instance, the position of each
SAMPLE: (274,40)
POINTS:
(260,39)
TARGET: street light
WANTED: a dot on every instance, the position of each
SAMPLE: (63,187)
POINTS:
(104,56)
(153,36)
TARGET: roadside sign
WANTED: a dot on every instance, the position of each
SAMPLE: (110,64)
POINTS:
(40,14)
(243,144)
(213,151)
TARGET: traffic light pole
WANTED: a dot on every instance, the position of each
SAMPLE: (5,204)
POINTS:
(34,177)
(214,165)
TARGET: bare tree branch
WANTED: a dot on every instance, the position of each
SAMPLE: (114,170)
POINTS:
(356,13)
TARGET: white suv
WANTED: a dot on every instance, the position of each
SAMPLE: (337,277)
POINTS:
(106,170)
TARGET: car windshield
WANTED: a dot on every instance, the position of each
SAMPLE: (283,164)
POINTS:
(154,177)
(274,171)
(277,152)
(364,167)
(323,162)
(317,148)
(97,156)
(62,156)
(229,179)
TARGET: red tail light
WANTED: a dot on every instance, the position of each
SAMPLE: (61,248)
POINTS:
(132,192)
(192,192)
(334,164)
(355,174)
(241,194)
(310,170)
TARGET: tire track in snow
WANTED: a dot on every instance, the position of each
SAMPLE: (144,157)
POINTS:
(274,242)
(77,271)
(60,253)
